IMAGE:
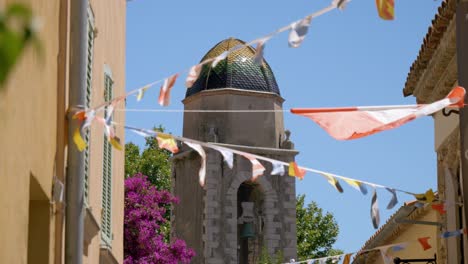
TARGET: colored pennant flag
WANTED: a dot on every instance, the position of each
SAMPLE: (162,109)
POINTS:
(115,142)
(439,207)
(296,171)
(385,9)
(454,233)
(89,117)
(142,132)
(166,141)
(387,258)
(375,215)
(333,181)
(347,258)
(193,75)
(201,152)
(355,122)
(257,167)
(357,185)
(221,57)
(141,92)
(340,4)
(427,197)
(227,155)
(258,58)
(399,247)
(165,92)
(278,169)
(424,241)
(298,32)
(78,140)
(394,199)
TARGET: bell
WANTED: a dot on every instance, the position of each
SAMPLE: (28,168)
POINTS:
(247,231)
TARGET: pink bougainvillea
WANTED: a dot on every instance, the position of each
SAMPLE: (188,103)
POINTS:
(145,210)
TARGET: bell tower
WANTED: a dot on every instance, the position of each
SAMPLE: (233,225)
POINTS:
(232,218)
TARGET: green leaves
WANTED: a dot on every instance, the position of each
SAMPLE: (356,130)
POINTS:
(152,161)
(17,29)
(316,231)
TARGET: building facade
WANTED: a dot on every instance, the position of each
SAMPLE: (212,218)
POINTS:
(232,218)
(406,225)
(431,77)
(33,135)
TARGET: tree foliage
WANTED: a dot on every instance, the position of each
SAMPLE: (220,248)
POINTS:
(17,29)
(316,231)
(152,161)
(145,210)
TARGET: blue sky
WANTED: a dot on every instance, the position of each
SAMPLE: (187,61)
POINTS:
(349,57)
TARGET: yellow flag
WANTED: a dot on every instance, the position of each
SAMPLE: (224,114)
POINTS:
(386,9)
(166,141)
(296,171)
(333,181)
(357,185)
(79,141)
(347,258)
(115,142)
(427,197)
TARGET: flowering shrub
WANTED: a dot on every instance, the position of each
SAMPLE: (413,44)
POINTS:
(145,209)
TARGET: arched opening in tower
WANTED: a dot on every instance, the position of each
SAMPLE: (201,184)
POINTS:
(250,223)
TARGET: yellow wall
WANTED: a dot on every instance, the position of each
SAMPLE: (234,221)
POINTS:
(28,118)
(109,49)
(33,135)
(410,234)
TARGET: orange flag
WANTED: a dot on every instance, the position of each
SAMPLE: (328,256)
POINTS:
(424,242)
(296,171)
(166,141)
(386,9)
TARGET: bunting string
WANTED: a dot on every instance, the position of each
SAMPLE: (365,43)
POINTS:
(298,30)
(424,242)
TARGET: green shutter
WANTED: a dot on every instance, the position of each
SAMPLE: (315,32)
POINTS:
(89,75)
(106,226)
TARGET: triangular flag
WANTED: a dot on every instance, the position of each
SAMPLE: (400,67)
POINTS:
(89,117)
(385,9)
(440,207)
(346,123)
(399,247)
(394,199)
(427,197)
(227,155)
(221,57)
(109,111)
(375,215)
(454,233)
(141,92)
(387,259)
(201,152)
(165,92)
(79,141)
(347,258)
(166,141)
(278,168)
(333,181)
(296,171)
(340,4)
(115,142)
(357,185)
(424,241)
(193,75)
(258,58)
(298,32)
(257,167)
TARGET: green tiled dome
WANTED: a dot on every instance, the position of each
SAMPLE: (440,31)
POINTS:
(238,70)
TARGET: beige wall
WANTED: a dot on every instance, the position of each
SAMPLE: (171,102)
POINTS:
(410,234)
(28,115)
(109,49)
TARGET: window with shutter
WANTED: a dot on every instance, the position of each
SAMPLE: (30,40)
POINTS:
(106,226)
(89,75)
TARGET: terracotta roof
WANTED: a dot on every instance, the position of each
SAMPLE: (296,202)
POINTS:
(431,41)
